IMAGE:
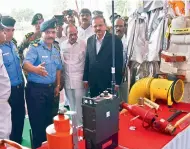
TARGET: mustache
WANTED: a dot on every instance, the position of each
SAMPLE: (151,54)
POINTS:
(51,38)
(85,19)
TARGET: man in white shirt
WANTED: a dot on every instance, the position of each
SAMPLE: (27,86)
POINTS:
(5,90)
(85,29)
(120,27)
(73,53)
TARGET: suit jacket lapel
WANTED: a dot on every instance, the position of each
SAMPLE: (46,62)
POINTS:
(94,46)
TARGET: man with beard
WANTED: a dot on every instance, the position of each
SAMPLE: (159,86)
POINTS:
(12,63)
(85,29)
(5,91)
(73,56)
(120,27)
(43,66)
(28,38)
(98,62)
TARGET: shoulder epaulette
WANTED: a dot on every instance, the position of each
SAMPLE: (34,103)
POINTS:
(29,35)
(35,42)
(14,41)
(56,42)
(56,45)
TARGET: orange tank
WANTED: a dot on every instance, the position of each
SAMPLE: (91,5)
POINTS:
(59,134)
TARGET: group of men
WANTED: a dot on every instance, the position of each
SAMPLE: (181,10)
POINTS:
(70,56)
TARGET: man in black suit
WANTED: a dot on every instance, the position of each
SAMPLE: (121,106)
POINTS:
(98,62)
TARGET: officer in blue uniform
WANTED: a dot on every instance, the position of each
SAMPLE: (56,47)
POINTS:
(12,63)
(43,65)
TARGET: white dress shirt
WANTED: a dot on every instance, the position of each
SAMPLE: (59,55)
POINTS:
(5,86)
(73,59)
(84,34)
(99,43)
(5,109)
(60,40)
(124,41)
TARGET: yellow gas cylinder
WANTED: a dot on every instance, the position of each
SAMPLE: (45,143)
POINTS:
(171,91)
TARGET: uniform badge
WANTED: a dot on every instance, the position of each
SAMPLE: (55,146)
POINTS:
(39,17)
(35,44)
(4,54)
(29,34)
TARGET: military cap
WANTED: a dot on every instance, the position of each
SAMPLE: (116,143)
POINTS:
(85,11)
(36,18)
(70,12)
(48,24)
(8,21)
(59,20)
(115,16)
(97,13)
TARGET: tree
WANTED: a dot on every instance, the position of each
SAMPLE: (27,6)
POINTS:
(22,14)
(120,7)
(59,6)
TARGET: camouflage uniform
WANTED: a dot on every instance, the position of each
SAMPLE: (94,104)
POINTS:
(28,39)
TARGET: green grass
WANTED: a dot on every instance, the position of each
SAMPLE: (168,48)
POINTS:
(26,133)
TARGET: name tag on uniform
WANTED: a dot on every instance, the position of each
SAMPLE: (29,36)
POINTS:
(4,54)
(55,57)
(44,56)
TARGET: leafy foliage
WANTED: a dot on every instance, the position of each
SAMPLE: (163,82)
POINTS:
(22,14)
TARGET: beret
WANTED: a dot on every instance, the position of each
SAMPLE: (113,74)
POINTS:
(7,21)
(48,24)
(36,18)
(59,20)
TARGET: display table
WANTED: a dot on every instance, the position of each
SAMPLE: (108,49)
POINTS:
(148,138)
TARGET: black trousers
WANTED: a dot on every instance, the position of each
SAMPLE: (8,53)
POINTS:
(96,90)
(17,104)
(39,99)
(55,105)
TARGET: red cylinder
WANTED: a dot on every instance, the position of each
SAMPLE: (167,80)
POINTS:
(143,113)
(150,118)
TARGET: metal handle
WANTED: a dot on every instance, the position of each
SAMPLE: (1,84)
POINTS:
(174,115)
